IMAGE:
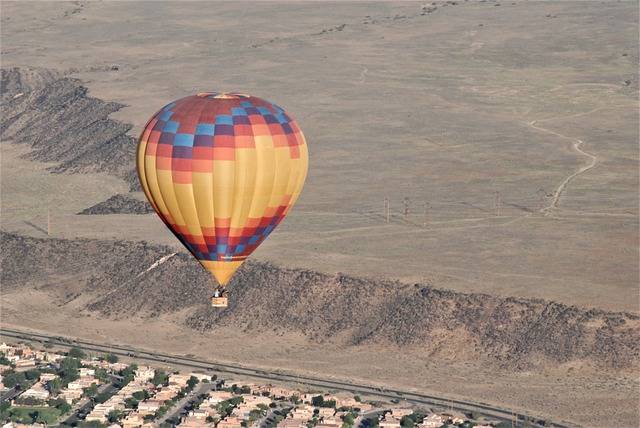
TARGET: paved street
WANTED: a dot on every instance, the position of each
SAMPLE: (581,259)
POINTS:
(176,410)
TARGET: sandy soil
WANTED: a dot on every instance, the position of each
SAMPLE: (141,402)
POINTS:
(435,107)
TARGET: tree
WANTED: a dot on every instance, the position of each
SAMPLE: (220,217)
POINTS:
(4,361)
(76,353)
(91,390)
(54,386)
(370,422)
(60,404)
(111,358)
(329,403)
(102,375)
(348,419)
(115,416)
(192,382)
(128,374)
(12,379)
(141,395)
(102,397)
(131,403)
(69,369)
(317,401)
(159,378)
(32,374)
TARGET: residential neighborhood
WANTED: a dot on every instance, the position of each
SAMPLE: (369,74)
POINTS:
(76,389)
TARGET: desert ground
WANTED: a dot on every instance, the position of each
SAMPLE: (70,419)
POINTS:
(510,127)
(473,109)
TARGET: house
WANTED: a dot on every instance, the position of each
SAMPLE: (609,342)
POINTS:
(149,407)
(303,412)
(101,411)
(70,395)
(330,424)
(399,413)
(37,391)
(432,421)
(230,422)
(254,400)
(83,382)
(389,422)
(209,409)
(167,393)
(326,412)
(145,373)
(216,397)
(292,423)
(24,364)
(47,377)
(179,379)
(194,421)
(52,357)
(242,411)
(133,420)
(84,371)
(276,391)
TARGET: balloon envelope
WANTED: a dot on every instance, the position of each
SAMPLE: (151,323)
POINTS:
(222,171)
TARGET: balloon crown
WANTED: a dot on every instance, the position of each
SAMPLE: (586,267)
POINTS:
(222,95)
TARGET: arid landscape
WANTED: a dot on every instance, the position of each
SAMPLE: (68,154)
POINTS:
(504,135)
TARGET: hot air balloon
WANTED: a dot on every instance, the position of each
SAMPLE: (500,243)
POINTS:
(222,170)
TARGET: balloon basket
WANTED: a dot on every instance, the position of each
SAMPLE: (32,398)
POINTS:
(219,302)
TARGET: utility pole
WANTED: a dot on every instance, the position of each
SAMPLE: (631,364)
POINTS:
(386,210)
(497,202)
(425,218)
(406,208)
(48,221)
(541,196)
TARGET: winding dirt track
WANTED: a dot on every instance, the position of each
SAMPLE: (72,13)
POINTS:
(576,143)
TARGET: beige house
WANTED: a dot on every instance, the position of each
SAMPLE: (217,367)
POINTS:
(292,423)
(230,422)
(254,400)
(216,397)
(85,371)
(145,373)
(399,413)
(326,412)
(37,391)
(46,377)
(432,421)
(133,420)
(389,422)
(70,395)
(149,407)
(179,379)
(24,364)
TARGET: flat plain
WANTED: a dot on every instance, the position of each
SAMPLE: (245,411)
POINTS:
(479,114)
(504,135)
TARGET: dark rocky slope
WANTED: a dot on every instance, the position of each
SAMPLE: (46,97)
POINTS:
(119,204)
(54,116)
(126,279)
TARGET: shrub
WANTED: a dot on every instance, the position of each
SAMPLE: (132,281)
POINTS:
(76,353)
